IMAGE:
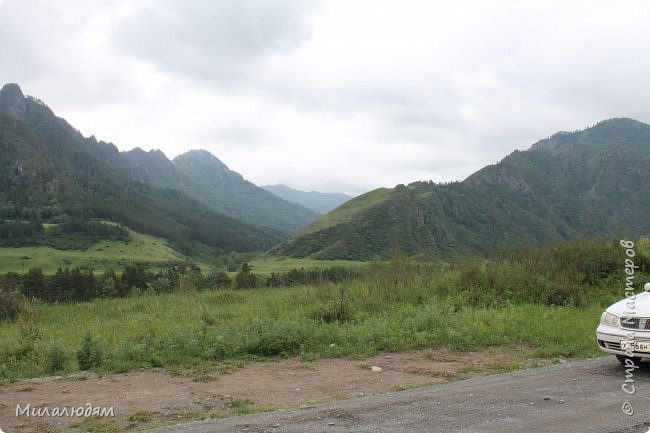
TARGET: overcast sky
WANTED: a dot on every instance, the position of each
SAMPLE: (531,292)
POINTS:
(331,95)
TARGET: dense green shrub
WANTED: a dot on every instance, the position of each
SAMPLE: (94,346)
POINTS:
(90,353)
(275,337)
(57,357)
(245,278)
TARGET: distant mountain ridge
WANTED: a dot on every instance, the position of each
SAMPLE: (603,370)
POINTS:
(593,182)
(50,172)
(228,192)
(202,176)
(318,202)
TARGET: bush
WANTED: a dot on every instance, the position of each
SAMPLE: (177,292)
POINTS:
(90,353)
(56,357)
(219,280)
(336,310)
(13,305)
(275,337)
(245,278)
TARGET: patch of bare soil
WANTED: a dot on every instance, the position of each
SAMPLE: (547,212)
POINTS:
(163,396)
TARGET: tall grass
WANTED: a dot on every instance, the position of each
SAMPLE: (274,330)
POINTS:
(530,302)
(194,327)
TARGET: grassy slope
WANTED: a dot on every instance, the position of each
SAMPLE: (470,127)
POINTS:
(347,210)
(102,255)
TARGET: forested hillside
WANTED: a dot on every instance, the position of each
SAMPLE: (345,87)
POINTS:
(593,183)
(48,175)
(202,176)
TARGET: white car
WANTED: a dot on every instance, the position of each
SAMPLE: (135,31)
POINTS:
(624,328)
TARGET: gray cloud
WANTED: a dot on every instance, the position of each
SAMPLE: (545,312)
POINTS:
(57,50)
(214,40)
(332,94)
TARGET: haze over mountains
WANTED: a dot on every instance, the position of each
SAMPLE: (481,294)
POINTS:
(318,202)
(593,183)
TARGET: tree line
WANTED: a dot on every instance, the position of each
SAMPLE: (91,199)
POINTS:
(82,284)
(70,233)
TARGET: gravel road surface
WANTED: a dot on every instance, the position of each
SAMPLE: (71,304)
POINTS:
(581,396)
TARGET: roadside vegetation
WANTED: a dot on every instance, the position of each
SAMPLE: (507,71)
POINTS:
(547,300)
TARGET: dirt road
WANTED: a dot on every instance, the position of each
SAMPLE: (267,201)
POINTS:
(155,397)
(582,396)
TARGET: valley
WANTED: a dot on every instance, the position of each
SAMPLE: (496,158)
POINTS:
(114,263)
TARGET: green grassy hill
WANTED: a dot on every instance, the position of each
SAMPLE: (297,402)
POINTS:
(106,254)
(348,210)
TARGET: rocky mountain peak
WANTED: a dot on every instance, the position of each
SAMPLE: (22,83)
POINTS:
(12,100)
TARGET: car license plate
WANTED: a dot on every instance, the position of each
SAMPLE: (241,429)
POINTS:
(636,346)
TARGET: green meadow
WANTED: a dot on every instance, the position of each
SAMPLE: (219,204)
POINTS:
(189,328)
(142,249)
(544,301)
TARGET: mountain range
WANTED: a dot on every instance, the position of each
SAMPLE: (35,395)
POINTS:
(591,183)
(319,202)
(50,172)
(202,176)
